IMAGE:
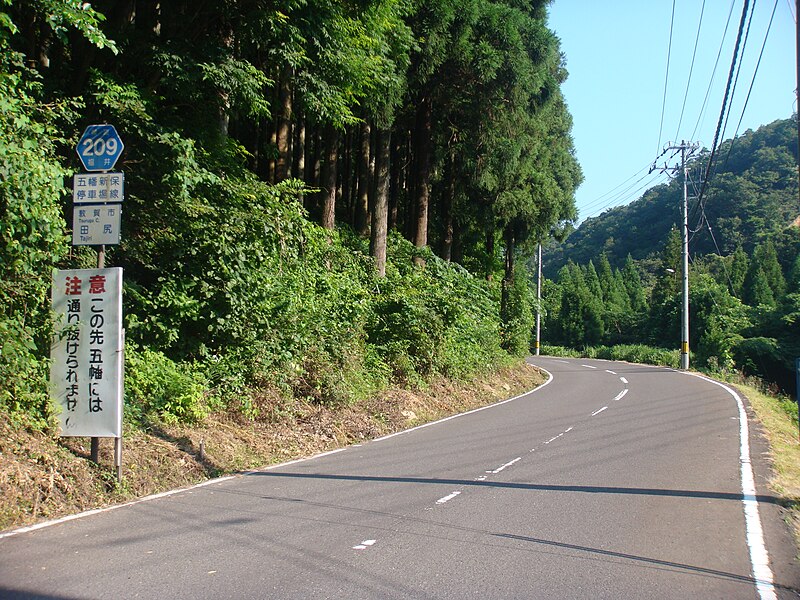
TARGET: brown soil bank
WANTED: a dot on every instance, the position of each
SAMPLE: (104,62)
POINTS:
(44,477)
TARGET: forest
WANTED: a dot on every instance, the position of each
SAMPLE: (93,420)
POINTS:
(611,284)
(322,197)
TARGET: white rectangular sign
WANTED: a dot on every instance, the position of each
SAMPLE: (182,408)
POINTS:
(86,369)
(96,224)
(98,187)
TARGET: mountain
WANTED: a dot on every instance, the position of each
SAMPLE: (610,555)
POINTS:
(752,194)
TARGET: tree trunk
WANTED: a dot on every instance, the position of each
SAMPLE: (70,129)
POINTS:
(508,275)
(346,175)
(380,205)
(284,130)
(396,178)
(299,147)
(329,177)
(362,203)
(447,208)
(489,254)
(422,150)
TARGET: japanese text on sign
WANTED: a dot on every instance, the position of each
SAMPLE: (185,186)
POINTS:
(86,369)
(96,224)
(98,187)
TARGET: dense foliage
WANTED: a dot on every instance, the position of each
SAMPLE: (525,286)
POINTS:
(744,302)
(752,196)
(290,169)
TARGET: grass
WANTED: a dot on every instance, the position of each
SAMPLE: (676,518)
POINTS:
(778,416)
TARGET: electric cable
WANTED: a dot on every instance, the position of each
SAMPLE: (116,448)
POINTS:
(666,77)
(719,253)
(691,68)
(724,100)
(631,193)
(736,79)
(713,72)
(752,82)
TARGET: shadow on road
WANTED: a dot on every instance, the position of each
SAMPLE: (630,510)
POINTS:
(589,489)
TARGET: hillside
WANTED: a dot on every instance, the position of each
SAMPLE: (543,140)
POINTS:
(752,195)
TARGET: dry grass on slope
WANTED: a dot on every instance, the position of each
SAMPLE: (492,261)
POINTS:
(45,477)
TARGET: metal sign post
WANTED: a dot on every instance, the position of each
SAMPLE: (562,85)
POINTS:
(87,355)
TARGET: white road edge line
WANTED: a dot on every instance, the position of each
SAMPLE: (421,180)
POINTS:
(621,395)
(495,405)
(597,412)
(759,557)
(447,498)
(96,511)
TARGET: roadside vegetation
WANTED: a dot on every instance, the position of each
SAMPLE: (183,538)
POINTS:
(319,217)
(617,281)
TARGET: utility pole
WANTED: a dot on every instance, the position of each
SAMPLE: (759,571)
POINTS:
(686,149)
(539,298)
(685,266)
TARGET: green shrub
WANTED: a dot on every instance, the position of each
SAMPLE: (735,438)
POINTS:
(635,353)
(155,386)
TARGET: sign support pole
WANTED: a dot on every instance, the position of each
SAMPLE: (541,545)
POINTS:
(94,452)
(98,150)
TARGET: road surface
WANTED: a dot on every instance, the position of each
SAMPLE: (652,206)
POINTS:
(611,481)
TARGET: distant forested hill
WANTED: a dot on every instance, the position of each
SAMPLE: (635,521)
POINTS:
(752,195)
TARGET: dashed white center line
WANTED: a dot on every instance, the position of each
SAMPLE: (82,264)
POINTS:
(447,498)
(610,371)
(364,545)
(597,412)
(553,439)
(621,395)
(589,366)
(501,467)
(623,380)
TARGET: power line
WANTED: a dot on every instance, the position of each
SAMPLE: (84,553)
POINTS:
(724,100)
(713,72)
(666,77)
(738,70)
(691,69)
(628,194)
(752,81)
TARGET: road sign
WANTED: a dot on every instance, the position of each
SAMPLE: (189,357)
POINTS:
(99,148)
(98,187)
(96,224)
(86,367)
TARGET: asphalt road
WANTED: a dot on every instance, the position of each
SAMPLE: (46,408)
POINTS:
(611,481)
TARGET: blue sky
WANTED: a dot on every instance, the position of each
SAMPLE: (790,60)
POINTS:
(616,55)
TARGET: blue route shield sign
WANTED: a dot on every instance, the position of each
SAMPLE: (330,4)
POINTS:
(99,148)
